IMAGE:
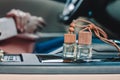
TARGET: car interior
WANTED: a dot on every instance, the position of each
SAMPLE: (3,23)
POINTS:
(44,56)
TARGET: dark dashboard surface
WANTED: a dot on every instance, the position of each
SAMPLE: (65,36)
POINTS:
(53,64)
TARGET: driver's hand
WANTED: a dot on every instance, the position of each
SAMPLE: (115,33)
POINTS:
(25,22)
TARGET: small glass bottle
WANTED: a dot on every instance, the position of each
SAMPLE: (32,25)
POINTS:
(84,49)
(69,47)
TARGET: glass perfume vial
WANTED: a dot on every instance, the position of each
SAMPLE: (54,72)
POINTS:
(84,48)
(69,47)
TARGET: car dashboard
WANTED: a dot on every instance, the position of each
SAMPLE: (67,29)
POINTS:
(105,63)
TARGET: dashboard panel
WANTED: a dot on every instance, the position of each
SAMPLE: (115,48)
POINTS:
(53,64)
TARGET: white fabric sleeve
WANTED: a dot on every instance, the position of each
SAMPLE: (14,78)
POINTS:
(7,28)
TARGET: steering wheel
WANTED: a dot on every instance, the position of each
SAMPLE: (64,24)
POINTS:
(73,9)
(106,12)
